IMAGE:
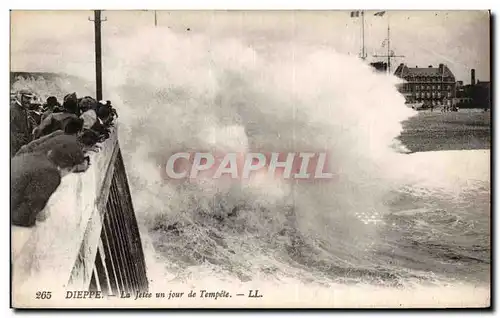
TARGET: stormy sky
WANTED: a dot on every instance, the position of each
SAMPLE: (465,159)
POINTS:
(460,39)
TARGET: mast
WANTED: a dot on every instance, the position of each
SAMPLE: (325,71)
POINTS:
(390,54)
(355,14)
(388,46)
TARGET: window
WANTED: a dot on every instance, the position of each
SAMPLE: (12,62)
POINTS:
(439,86)
(448,87)
(433,87)
(417,87)
(449,94)
(439,94)
(417,94)
(428,87)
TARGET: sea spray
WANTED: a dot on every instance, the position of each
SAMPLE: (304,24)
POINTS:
(188,93)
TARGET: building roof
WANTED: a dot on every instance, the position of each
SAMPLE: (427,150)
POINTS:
(483,83)
(404,71)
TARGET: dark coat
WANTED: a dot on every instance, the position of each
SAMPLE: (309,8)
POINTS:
(100,128)
(20,128)
(48,111)
(53,122)
(50,142)
(35,145)
(33,180)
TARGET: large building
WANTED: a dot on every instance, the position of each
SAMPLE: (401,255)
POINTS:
(430,85)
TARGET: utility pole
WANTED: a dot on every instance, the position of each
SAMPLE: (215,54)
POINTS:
(98,60)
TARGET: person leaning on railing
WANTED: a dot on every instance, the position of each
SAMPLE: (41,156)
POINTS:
(57,120)
(73,128)
(51,105)
(35,176)
(97,119)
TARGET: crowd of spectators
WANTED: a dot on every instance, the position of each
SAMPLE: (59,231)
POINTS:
(48,141)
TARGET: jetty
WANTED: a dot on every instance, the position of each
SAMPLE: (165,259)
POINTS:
(87,238)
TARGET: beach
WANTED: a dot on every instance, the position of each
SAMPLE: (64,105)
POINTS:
(434,131)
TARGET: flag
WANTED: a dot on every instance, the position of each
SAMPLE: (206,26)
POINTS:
(379,14)
(354,14)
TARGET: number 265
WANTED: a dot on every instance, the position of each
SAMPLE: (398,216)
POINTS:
(43,295)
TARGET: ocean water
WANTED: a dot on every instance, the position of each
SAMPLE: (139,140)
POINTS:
(389,221)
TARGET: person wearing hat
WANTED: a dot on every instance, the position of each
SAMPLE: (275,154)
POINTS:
(73,128)
(20,127)
(70,104)
(96,122)
(36,176)
(58,121)
(52,105)
(88,107)
(54,122)
(103,121)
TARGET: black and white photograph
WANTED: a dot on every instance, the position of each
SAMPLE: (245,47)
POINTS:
(250,159)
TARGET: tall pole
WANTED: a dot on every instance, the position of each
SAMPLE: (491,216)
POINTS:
(390,55)
(98,61)
(156,19)
(388,46)
(363,55)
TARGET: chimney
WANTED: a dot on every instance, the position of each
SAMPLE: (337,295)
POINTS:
(441,68)
(473,77)
(430,66)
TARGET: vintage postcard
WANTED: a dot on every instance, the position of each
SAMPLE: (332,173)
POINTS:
(250,159)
